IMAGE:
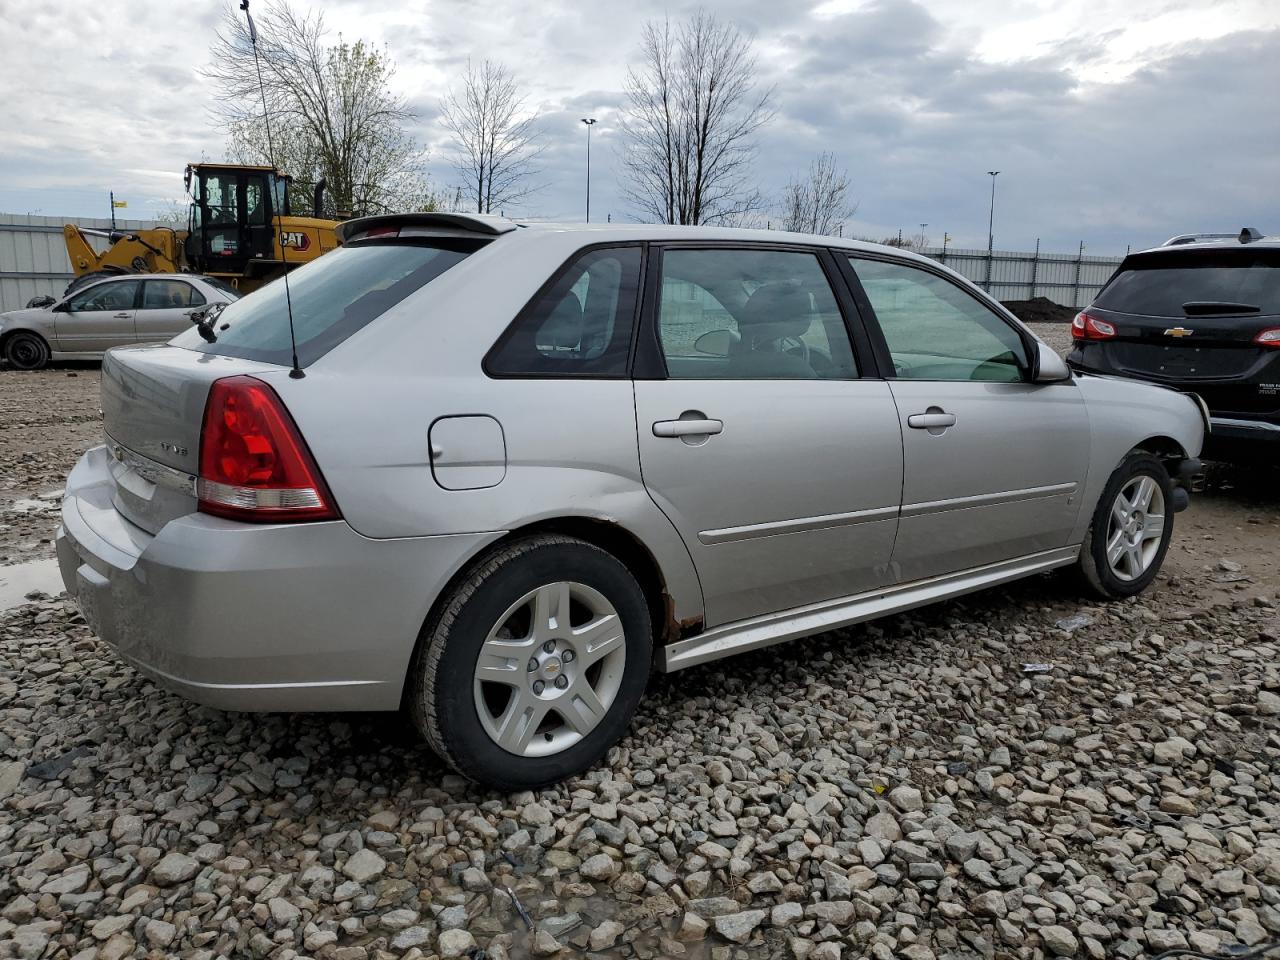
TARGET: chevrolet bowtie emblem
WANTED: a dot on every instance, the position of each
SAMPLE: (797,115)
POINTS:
(1178,332)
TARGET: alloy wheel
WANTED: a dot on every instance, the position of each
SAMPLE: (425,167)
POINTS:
(550,669)
(1135,528)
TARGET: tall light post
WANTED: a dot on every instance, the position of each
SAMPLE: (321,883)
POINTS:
(991,220)
(590,122)
(922,226)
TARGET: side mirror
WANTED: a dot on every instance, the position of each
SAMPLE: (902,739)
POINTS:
(715,343)
(62,307)
(1049,367)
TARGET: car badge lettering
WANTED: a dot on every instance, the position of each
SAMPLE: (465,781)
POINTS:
(1178,332)
(173,448)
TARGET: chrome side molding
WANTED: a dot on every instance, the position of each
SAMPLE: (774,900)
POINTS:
(764,631)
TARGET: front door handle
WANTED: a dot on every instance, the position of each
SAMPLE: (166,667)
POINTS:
(122,316)
(933,420)
(687,428)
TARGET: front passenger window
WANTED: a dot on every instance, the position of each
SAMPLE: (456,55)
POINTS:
(937,331)
(116,295)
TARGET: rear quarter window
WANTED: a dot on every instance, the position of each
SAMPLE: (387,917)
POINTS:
(1161,286)
(332,297)
(580,325)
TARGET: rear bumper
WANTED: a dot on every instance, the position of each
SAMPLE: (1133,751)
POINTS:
(287,617)
(1227,435)
(1254,431)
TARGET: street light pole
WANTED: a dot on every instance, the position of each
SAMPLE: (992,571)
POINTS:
(589,121)
(922,226)
(991,220)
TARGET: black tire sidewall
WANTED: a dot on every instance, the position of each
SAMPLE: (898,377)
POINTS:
(466,741)
(19,337)
(1135,465)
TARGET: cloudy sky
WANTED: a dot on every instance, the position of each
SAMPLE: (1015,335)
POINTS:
(1113,122)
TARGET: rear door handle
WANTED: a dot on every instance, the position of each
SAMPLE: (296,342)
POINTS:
(687,428)
(123,316)
(931,421)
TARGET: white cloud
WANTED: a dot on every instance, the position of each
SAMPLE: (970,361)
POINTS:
(1114,121)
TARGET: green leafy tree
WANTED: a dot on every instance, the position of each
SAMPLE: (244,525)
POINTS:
(333,112)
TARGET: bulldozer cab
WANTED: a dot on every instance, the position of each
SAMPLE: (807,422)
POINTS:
(231,223)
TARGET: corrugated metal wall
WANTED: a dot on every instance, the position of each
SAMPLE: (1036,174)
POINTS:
(33,261)
(1070,279)
(33,256)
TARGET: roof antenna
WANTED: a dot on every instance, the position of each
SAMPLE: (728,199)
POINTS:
(296,373)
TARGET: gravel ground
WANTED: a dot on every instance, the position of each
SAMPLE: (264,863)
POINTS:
(901,789)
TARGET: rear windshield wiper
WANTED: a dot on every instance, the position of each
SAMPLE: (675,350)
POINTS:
(1195,308)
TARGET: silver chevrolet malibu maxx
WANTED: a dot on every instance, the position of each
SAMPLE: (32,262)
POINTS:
(521,466)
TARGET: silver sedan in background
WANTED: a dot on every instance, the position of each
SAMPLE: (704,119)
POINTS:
(516,468)
(115,312)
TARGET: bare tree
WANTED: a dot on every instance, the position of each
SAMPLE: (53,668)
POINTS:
(693,108)
(494,137)
(332,110)
(819,201)
(170,213)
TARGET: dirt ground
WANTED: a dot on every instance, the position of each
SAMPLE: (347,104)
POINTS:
(48,418)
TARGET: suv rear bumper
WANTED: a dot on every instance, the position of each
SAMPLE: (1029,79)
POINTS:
(1235,428)
(280,617)
(1227,436)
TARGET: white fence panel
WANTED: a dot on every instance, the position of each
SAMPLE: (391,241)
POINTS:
(1072,280)
(33,254)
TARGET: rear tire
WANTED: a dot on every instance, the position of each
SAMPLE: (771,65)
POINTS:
(1129,534)
(534,665)
(25,350)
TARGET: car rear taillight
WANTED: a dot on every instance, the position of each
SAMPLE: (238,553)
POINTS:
(1268,338)
(254,464)
(1087,327)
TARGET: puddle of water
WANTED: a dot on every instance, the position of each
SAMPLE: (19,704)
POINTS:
(19,579)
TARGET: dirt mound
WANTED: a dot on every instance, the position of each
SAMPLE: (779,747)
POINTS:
(1040,310)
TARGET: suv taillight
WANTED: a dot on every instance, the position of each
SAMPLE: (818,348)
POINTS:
(1087,327)
(253,463)
(1268,338)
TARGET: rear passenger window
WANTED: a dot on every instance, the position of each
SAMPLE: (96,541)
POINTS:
(750,315)
(169,295)
(581,326)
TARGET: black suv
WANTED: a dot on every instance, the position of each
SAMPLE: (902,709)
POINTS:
(1201,314)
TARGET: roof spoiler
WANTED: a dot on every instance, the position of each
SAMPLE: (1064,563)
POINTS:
(471,225)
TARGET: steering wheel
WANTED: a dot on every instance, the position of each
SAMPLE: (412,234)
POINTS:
(797,344)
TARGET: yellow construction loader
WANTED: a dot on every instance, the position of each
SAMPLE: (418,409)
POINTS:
(240,229)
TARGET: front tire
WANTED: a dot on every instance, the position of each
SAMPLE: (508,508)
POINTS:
(535,664)
(1129,535)
(26,351)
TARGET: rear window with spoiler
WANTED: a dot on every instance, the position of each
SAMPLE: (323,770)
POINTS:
(333,297)
(1196,283)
